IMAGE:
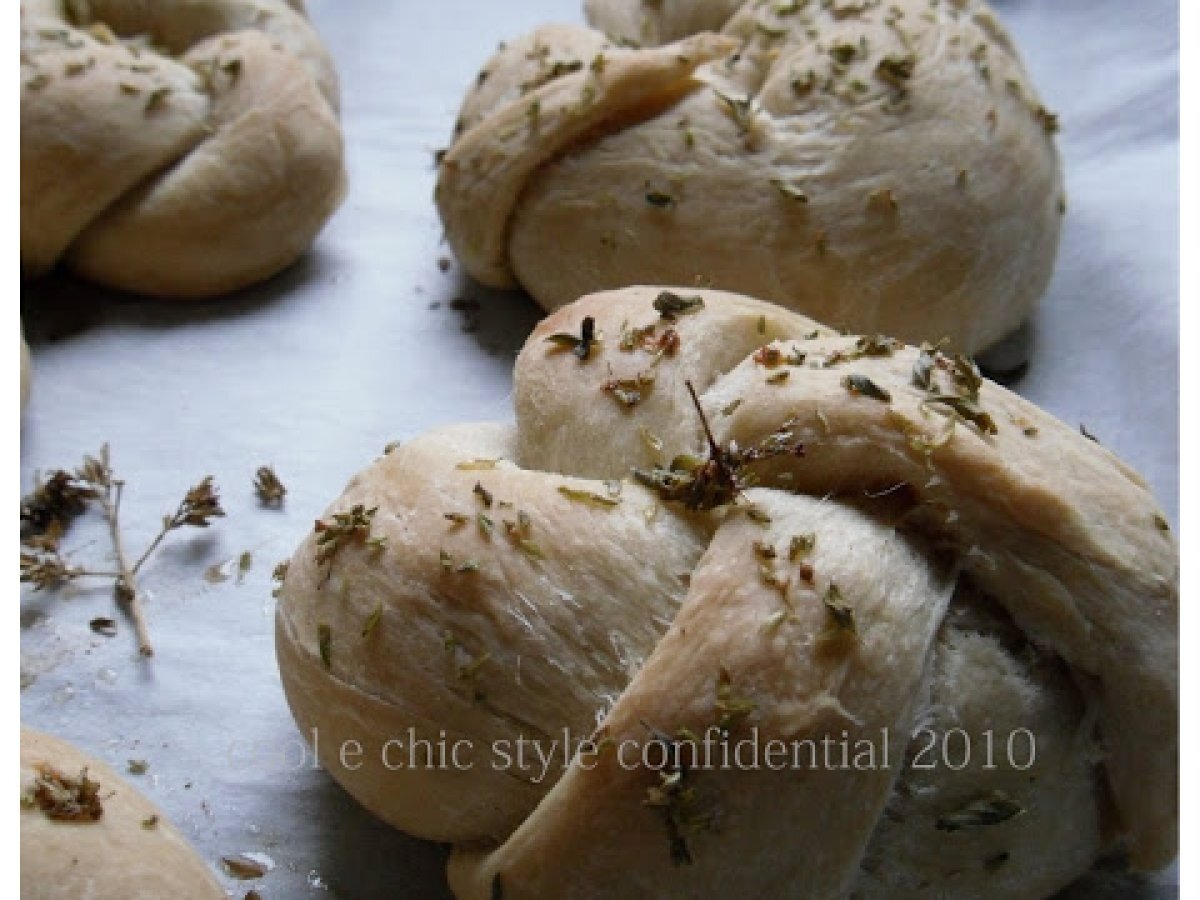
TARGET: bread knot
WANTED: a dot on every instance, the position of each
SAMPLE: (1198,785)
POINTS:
(182,149)
(771,610)
(883,166)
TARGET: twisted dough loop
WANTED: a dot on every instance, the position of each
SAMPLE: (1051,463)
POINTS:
(1062,622)
(883,167)
(184,148)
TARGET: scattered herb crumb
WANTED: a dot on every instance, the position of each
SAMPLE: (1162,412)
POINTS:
(629,392)
(896,70)
(991,809)
(65,799)
(864,386)
(278,574)
(477,464)
(268,488)
(801,545)
(325,644)
(104,626)
(157,99)
(243,867)
(840,614)
(588,498)
(449,564)
(244,563)
(581,344)
(352,526)
(669,305)
(789,190)
(731,709)
(372,620)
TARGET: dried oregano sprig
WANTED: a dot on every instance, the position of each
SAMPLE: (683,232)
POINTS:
(49,510)
(702,484)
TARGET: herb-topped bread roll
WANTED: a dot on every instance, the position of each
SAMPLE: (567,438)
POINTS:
(182,148)
(878,166)
(86,832)
(941,624)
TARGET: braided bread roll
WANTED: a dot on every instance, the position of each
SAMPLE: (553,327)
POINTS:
(891,551)
(122,848)
(881,167)
(181,148)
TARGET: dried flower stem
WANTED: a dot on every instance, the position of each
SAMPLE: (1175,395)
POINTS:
(46,513)
(168,524)
(125,587)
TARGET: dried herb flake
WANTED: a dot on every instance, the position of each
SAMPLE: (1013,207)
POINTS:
(352,526)
(477,464)
(65,799)
(629,392)
(864,386)
(325,644)
(580,345)
(669,304)
(840,614)
(731,709)
(991,809)
(268,488)
(372,620)
(587,497)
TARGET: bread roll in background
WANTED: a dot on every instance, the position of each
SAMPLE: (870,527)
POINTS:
(182,148)
(882,167)
(118,847)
